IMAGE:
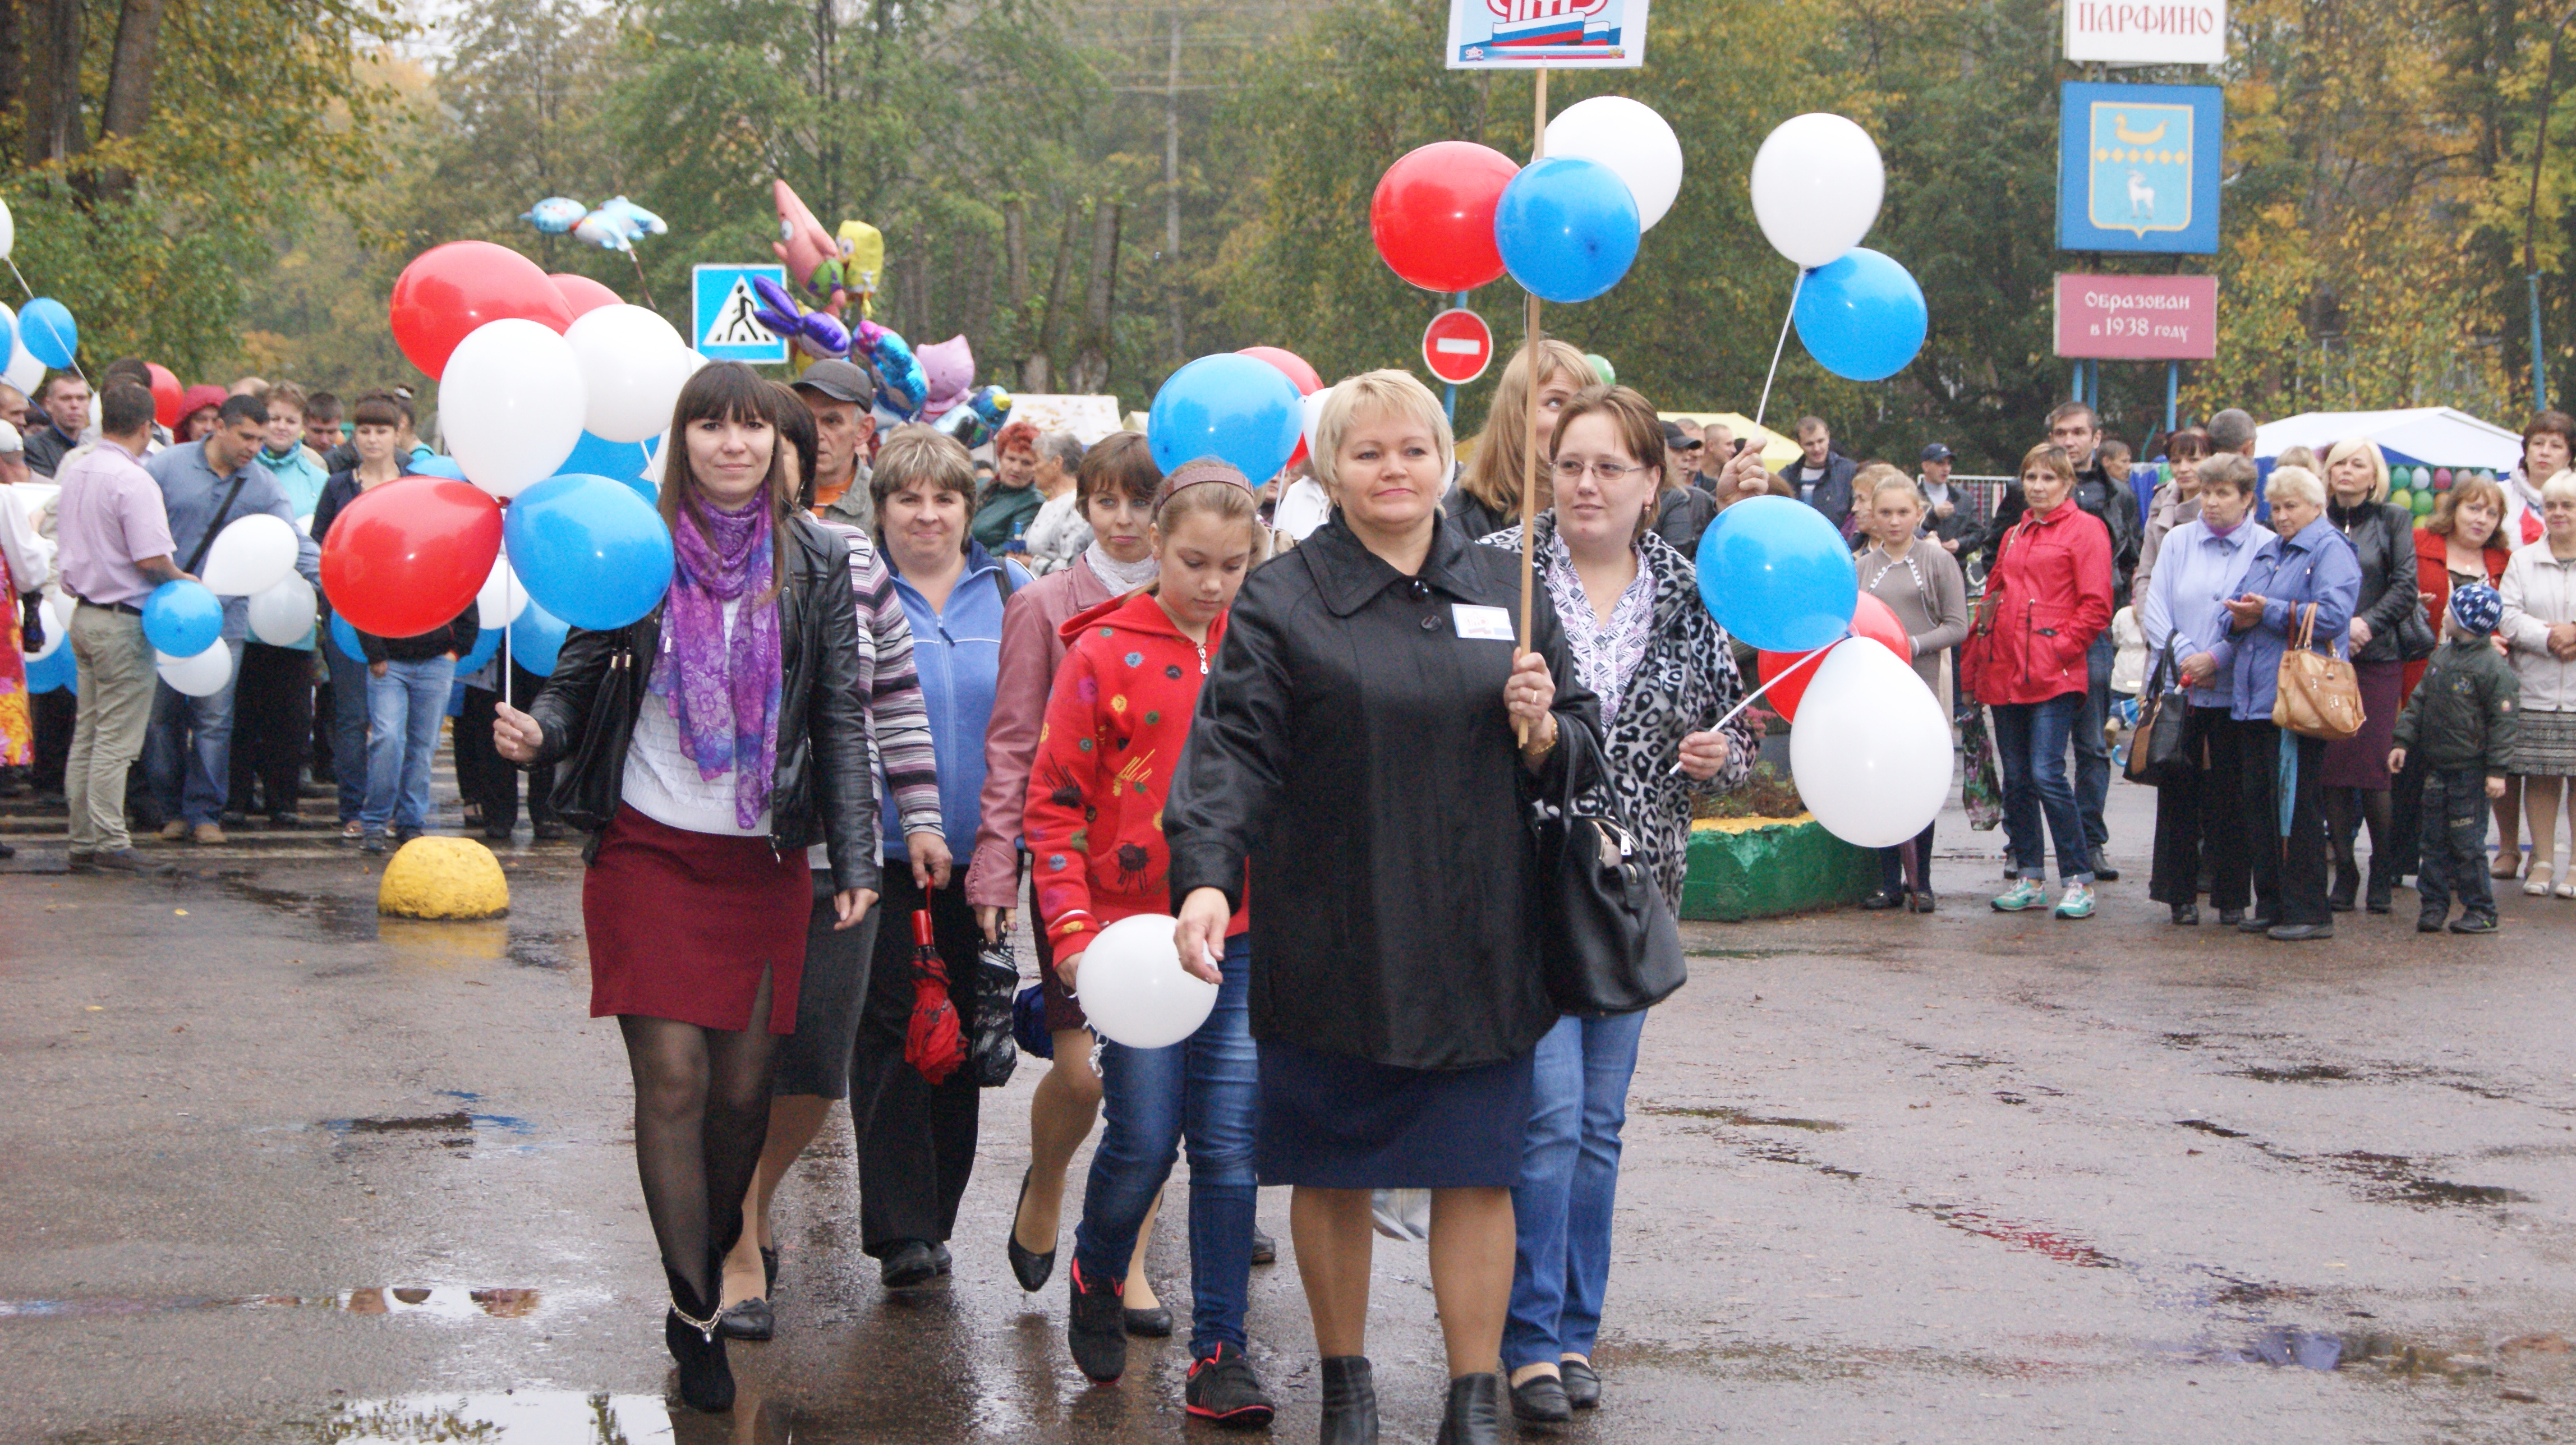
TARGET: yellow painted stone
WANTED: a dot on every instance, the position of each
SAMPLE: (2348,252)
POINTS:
(443,878)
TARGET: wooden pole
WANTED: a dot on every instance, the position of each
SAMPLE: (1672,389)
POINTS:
(1531,336)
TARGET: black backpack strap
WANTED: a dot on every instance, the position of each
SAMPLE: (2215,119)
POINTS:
(223,514)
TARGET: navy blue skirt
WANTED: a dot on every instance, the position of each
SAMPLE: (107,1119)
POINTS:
(1330,1121)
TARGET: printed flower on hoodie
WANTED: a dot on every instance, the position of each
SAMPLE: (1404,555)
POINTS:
(1115,723)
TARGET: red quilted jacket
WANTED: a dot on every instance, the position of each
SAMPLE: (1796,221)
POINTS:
(2047,598)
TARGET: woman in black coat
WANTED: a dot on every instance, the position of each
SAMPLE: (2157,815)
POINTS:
(706,746)
(2356,775)
(1365,744)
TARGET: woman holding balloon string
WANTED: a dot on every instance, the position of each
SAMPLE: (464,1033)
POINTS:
(1925,589)
(2048,595)
(1644,645)
(1117,721)
(1116,481)
(710,742)
(1365,742)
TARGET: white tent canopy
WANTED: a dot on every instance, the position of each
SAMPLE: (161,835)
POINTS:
(2424,436)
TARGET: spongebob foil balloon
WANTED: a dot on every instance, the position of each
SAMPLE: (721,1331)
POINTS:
(862,262)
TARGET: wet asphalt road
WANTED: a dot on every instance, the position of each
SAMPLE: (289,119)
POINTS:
(280,1173)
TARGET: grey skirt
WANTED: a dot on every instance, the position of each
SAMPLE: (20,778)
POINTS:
(2545,745)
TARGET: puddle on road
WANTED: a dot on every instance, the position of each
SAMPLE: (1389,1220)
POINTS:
(347,919)
(539,1417)
(456,1128)
(2297,1074)
(2323,1351)
(2206,1127)
(433,1301)
(1741,1118)
(2389,1178)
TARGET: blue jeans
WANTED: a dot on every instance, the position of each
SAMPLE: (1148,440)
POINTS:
(1207,1086)
(188,755)
(2092,752)
(403,709)
(2030,743)
(348,727)
(1569,1181)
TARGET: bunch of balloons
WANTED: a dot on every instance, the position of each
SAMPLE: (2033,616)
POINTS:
(253,558)
(1871,749)
(1454,215)
(1817,183)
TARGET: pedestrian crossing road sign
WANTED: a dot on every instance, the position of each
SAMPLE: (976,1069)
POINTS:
(2137,168)
(721,322)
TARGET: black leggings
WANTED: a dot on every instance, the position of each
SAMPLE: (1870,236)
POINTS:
(701,1117)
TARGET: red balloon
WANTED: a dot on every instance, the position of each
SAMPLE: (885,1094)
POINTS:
(166,394)
(583,294)
(1433,214)
(449,290)
(410,555)
(1872,619)
(1308,383)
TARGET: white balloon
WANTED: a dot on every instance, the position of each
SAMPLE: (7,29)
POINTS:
(1817,182)
(24,371)
(283,615)
(8,231)
(203,675)
(1629,138)
(1133,989)
(60,605)
(304,524)
(1314,405)
(632,364)
(502,599)
(1871,751)
(511,404)
(250,556)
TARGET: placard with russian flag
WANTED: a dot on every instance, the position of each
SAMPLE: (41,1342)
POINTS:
(1555,34)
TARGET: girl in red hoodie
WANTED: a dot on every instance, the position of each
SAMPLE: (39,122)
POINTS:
(1115,725)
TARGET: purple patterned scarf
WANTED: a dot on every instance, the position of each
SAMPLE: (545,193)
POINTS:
(723,694)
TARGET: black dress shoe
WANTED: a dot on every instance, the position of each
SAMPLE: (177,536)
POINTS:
(1880,899)
(1924,901)
(2339,903)
(1028,1266)
(547,831)
(1265,1250)
(1152,1324)
(2103,872)
(2230,917)
(1475,1413)
(909,1267)
(1095,1329)
(1582,1385)
(2428,923)
(2257,923)
(1540,1400)
(750,1319)
(942,1263)
(2186,915)
(1350,1401)
(2302,932)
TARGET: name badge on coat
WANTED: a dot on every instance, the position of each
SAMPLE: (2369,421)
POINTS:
(1484,624)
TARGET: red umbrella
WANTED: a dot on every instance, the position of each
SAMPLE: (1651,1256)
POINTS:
(932,1044)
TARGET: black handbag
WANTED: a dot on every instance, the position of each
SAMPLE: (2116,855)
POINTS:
(2156,754)
(586,783)
(31,622)
(992,1051)
(1607,943)
(2415,639)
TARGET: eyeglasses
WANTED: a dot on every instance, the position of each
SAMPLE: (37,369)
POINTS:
(1610,473)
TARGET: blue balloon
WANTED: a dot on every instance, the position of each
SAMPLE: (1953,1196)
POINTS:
(487,645)
(588,550)
(51,335)
(1861,316)
(183,618)
(1567,228)
(598,457)
(44,674)
(1239,409)
(345,638)
(1775,573)
(535,639)
(435,466)
(8,335)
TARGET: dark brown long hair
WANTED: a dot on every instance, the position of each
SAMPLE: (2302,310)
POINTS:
(727,391)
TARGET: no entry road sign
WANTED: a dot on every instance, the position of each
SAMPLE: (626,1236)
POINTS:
(1457,346)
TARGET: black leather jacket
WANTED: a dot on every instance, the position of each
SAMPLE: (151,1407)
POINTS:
(1352,745)
(822,787)
(2383,537)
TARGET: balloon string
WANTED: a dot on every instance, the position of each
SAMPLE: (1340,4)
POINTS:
(1778,347)
(640,283)
(22,278)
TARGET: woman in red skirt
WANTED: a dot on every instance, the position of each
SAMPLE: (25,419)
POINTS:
(705,747)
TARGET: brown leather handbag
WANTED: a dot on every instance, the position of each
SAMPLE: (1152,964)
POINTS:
(2318,695)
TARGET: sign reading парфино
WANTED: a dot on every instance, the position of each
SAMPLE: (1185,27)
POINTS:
(2128,32)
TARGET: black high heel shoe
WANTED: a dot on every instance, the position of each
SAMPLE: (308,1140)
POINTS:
(1475,1414)
(1029,1267)
(1350,1401)
(698,1348)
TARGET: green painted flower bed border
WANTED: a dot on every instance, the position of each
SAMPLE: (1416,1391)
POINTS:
(1765,868)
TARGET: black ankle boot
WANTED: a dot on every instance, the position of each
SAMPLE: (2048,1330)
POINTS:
(1350,1401)
(2347,886)
(1475,1414)
(706,1380)
(2379,894)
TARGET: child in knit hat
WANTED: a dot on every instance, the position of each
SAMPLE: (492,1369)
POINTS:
(2463,716)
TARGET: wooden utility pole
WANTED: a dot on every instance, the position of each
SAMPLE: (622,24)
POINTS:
(1172,187)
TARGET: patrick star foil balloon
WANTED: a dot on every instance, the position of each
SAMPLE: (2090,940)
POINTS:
(810,253)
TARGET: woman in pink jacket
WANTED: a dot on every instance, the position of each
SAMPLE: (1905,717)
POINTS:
(1115,484)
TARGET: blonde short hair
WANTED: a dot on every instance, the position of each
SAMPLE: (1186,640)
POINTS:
(1376,393)
(2368,450)
(2560,488)
(2294,484)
